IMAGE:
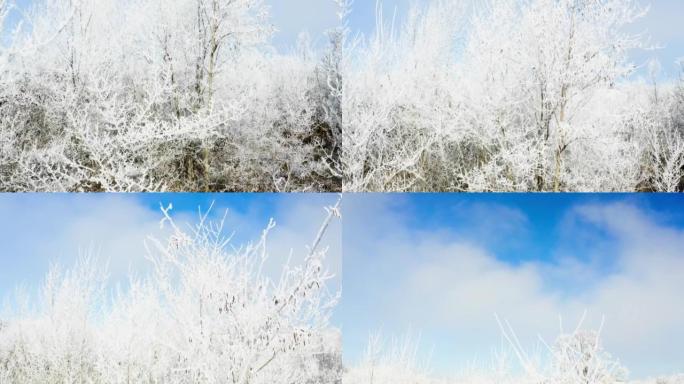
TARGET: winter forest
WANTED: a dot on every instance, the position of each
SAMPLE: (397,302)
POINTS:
(189,95)
(149,95)
(510,95)
(207,312)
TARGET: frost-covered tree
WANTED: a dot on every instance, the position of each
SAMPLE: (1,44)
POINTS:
(579,358)
(575,357)
(397,95)
(149,95)
(539,63)
(533,95)
(327,95)
(4,12)
(207,313)
(661,152)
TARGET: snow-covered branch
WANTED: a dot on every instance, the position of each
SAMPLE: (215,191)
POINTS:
(207,313)
(153,95)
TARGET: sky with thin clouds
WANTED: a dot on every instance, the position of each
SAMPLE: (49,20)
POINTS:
(443,265)
(292,17)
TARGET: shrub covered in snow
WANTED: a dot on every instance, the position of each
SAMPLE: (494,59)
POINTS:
(574,358)
(508,95)
(207,313)
(149,95)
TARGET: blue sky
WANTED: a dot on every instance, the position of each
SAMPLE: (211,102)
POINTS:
(442,265)
(38,229)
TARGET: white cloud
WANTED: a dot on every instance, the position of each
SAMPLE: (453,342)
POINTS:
(37,231)
(448,285)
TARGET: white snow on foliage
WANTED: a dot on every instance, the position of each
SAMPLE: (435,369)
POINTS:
(207,313)
(509,95)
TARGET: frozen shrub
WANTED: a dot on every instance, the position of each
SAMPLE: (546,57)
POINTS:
(207,313)
(389,363)
(579,358)
(574,358)
(152,95)
(508,95)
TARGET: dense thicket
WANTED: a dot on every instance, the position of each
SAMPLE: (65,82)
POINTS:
(207,313)
(509,95)
(149,95)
